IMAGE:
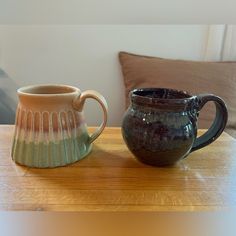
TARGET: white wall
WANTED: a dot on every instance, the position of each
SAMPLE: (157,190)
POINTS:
(116,11)
(86,55)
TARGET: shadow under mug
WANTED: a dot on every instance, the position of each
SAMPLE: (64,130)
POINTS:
(50,129)
(160,125)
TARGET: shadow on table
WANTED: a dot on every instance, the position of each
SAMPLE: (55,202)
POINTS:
(98,170)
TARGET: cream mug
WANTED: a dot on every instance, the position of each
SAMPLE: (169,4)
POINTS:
(50,129)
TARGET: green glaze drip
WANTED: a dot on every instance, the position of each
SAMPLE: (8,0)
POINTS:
(51,154)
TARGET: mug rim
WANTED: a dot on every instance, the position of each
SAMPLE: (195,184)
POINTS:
(168,104)
(23,90)
(182,92)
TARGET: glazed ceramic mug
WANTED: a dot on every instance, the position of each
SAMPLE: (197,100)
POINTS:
(50,129)
(160,126)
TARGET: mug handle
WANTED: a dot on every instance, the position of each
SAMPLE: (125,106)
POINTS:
(218,125)
(78,104)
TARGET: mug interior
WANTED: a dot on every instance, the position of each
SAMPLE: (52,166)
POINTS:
(161,93)
(47,89)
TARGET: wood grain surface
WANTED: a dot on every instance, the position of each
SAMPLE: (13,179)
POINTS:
(111,179)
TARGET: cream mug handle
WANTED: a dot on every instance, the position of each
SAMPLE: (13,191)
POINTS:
(78,104)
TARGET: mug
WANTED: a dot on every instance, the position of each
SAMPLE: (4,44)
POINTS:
(160,125)
(50,129)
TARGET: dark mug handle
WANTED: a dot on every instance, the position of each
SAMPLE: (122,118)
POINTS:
(218,125)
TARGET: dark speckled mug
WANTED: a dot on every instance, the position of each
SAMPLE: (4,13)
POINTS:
(160,126)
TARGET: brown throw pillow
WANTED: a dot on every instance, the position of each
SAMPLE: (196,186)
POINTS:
(195,77)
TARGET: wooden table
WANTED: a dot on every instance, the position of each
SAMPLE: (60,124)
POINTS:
(110,179)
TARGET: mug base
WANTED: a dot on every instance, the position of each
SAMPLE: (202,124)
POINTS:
(156,163)
(55,164)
